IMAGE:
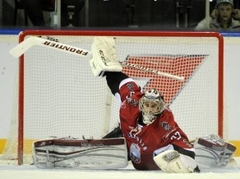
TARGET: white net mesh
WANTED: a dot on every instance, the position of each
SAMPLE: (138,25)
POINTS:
(62,97)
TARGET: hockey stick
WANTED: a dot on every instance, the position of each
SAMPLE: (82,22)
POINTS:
(150,70)
(24,46)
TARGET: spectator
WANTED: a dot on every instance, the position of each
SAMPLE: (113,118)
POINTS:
(223,17)
(34,10)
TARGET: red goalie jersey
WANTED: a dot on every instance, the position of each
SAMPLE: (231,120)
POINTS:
(146,141)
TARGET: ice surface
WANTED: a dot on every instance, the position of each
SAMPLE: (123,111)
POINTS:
(31,172)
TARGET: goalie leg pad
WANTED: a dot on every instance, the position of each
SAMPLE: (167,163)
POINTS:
(104,56)
(171,161)
(213,151)
(82,154)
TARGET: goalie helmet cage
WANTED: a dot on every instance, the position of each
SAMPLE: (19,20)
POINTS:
(58,95)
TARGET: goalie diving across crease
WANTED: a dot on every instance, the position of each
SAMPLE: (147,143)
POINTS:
(154,140)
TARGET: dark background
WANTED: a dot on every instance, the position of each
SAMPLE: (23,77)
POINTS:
(143,14)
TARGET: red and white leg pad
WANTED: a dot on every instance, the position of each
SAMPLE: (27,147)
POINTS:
(213,151)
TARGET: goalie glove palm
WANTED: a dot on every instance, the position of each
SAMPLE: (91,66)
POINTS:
(104,56)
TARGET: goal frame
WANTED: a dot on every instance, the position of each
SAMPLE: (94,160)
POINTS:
(25,33)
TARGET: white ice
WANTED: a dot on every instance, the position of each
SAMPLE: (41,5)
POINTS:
(31,172)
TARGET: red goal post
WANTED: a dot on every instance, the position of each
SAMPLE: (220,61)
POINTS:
(58,95)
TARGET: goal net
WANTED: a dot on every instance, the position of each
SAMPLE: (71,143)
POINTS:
(58,96)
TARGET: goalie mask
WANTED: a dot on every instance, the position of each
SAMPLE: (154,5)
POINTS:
(151,105)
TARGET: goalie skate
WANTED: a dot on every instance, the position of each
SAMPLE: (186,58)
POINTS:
(83,154)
